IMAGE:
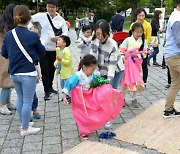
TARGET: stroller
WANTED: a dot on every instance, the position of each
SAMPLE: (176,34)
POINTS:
(120,36)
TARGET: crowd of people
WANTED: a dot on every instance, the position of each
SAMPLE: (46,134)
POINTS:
(104,66)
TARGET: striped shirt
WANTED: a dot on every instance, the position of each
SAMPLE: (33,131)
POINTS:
(108,56)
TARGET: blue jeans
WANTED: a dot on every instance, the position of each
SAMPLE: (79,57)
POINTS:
(35,102)
(117,79)
(154,54)
(25,87)
(5,95)
(63,82)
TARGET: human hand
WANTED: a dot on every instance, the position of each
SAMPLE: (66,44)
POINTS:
(65,101)
(55,39)
(133,54)
(88,41)
(59,58)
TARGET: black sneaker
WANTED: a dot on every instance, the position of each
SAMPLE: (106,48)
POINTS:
(171,114)
(53,91)
(167,86)
(47,96)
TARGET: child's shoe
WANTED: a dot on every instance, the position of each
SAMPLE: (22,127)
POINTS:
(36,115)
(135,103)
(85,137)
(108,125)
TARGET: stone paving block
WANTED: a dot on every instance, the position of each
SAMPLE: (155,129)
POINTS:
(5,122)
(68,121)
(3,117)
(33,138)
(2,140)
(3,133)
(14,129)
(14,135)
(4,128)
(36,146)
(52,114)
(51,132)
(70,142)
(68,128)
(15,150)
(52,109)
(52,120)
(52,149)
(66,116)
(52,126)
(52,140)
(13,143)
(32,152)
(69,135)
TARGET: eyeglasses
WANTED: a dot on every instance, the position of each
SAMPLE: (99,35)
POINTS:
(51,7)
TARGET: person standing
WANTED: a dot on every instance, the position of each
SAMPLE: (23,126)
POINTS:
(52,25)
(172,57)
(6,24)
(117,21)
(155,29)
(140,16)
(22,71)
(93,19)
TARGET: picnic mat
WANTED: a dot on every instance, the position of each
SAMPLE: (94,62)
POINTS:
(151,130)
(88,147)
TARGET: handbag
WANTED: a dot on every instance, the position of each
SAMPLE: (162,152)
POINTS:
(154,41)
(5,80)
(57,32)
(38,68)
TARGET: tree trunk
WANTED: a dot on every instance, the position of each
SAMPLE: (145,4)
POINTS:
(134,5)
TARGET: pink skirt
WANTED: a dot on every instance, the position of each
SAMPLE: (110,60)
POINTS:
(94,107)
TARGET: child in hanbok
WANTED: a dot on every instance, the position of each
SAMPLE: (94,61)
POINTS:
(92,108)
(135,50)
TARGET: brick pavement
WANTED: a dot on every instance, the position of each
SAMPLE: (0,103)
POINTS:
(58,129)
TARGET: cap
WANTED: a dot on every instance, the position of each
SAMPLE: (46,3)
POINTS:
(55,2)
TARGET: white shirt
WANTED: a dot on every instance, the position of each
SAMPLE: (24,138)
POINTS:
(47,32)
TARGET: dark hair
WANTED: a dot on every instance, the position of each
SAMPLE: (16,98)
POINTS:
(88,60)
(176,3)
(139,10)
(119,9)
(21,14)
(66,39)
(85,28)
(104,26)
(7,21)
(134,27)
(156,15)
(54,2)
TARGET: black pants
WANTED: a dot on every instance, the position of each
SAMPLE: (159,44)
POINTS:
(145,69)
(169,76)
(48,69)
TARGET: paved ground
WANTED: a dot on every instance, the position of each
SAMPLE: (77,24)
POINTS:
(58,129)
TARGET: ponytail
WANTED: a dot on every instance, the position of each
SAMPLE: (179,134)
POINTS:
(142,45)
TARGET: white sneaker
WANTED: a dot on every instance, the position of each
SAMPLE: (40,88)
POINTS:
(29,131)
(30,124)
(11,106)
(108,125)
(4,110)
